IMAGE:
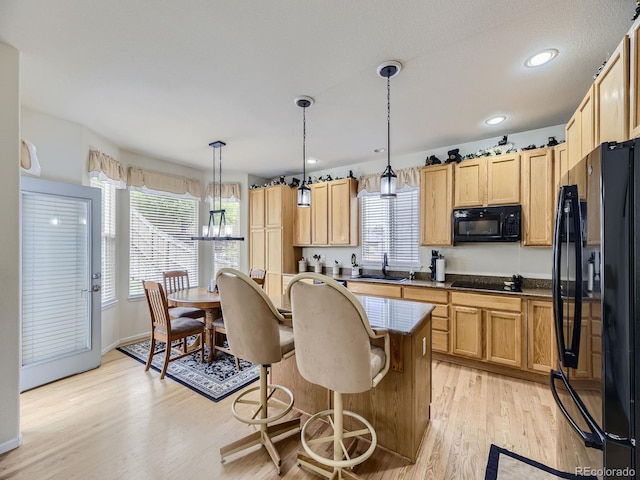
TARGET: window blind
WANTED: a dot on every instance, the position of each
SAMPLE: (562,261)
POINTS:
(160,231)
(108,238)
(55,275)
(391,227)
(227,254)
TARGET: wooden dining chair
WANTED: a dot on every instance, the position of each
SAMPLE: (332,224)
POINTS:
(169,330)
(258,276)
(174,281)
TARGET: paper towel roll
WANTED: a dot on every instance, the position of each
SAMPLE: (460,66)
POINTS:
(440,270)
(590,277)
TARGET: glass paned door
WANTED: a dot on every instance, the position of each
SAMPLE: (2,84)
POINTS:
(60,281)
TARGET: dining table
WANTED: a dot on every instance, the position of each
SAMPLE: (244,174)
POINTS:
(200,297)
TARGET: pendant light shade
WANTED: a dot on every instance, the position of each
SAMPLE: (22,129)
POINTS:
(304,192)
(389,180)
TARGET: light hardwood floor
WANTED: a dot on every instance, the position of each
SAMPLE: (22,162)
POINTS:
(119,422)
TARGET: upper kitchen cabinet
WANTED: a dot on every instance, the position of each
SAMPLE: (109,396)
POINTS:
(611,92)
(634,77)
(538,197)
(580,140)
(273,210)
(486,181)
(343,212)
(560,165)
(256,208)
(332,219)
(436,204)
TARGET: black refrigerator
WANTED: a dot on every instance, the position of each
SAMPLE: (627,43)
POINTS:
(597,223)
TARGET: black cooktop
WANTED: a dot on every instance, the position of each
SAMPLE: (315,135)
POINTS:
(496,287)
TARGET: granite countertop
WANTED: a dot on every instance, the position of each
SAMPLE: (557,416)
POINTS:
(536,288)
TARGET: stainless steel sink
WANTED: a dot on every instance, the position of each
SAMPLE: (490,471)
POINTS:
(386,278)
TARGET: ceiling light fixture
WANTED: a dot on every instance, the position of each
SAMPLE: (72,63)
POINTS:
(304,192)
(389,180)
(311,160)
(495,120)
(217,231)
(541,58)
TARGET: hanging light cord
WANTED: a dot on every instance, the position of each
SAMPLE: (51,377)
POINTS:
(220,189)
(304,143)
(388,120)
(213,183)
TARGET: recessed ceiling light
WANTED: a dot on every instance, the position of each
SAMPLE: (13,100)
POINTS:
(496,120)
(380,150)
(312,160)
(541,58)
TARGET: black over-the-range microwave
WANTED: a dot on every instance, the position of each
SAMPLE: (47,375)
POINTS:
(487,224)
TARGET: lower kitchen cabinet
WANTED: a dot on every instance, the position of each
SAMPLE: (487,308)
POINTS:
(439,317)
(466,329)
(541,337)
(504,338)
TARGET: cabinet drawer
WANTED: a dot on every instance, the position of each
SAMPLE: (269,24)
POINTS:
(441,324)
(440,311)
(390,291)
(596,328)
(596,345)
(425,294)
(493,302)
(440,341)
(596,310)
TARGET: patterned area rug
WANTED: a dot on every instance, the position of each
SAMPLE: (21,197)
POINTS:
(215,381)
(506,465)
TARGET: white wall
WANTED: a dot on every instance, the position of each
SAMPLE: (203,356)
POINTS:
(479,259)
(10,437)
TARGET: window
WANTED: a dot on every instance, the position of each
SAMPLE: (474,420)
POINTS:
(391,227)
(227,254)
(161,228)
(108,240)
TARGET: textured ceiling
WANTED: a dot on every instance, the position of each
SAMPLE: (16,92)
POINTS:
(165,78)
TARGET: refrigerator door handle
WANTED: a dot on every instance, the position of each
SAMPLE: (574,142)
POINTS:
(596,437)
(568,195)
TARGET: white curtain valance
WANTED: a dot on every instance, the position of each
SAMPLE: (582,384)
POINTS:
(156,182)
(107,169)
(29,158)
(408,179)
(230,191)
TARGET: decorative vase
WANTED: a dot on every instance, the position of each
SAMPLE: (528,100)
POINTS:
(355,272)
(302,266)
(318,267)
(336,270)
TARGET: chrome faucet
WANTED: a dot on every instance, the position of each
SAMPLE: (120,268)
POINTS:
(385,264)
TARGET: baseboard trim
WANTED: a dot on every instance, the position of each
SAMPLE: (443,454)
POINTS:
(11,444)
(124,341)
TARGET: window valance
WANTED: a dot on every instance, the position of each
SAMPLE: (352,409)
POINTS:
(230,191)
(156,182)
(29,158)
(107,169)
(408,179)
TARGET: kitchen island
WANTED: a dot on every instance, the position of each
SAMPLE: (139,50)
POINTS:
(399,406)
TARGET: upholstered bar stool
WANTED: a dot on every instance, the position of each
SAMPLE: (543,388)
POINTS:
(334,350)
(256,332)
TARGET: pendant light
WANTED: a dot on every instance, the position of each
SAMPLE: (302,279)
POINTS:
(389,180)
(304,192)
(217,230)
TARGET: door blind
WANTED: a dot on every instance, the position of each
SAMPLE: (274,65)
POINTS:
(160,231)
(108,239)
(391,227)
(55,277)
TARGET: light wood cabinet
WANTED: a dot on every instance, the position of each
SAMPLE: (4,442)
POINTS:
(487,328)
(541,337)
(611,89)
(343,212)
(560,168)
(596,340)
(332,219)
(538,197)
(439,317)
(375,289)
(486,181)
(580,139)
(634,80)
(319,214)
(593,200)
(436,205)
(503,179)
(271,245)
(471,183)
